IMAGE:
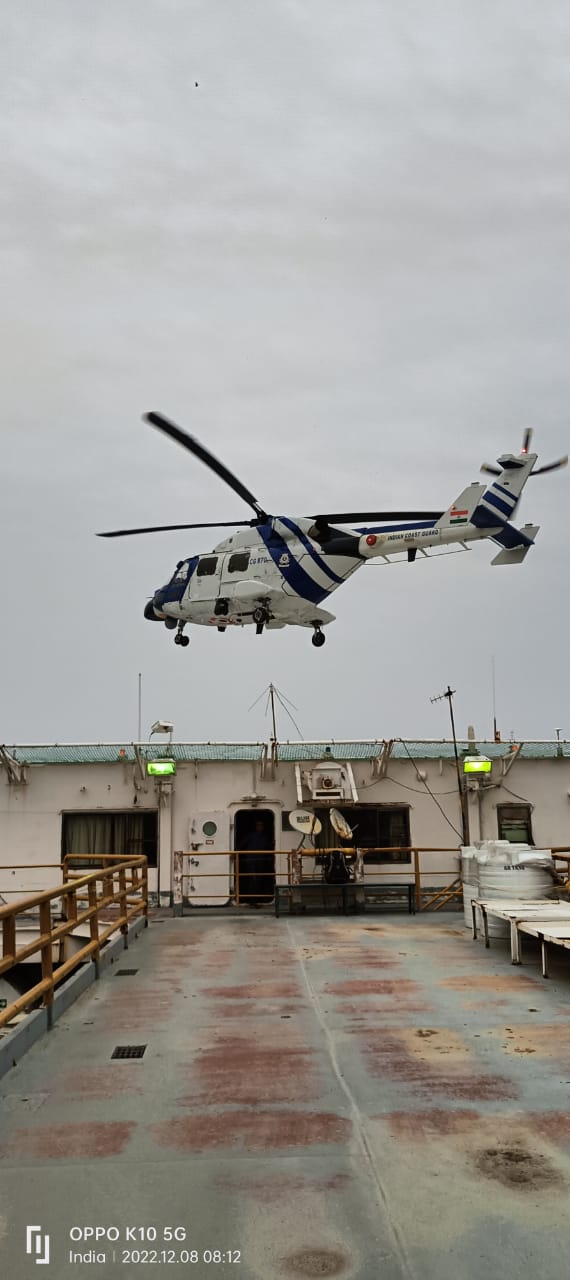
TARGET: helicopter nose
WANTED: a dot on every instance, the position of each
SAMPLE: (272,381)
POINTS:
(150,612)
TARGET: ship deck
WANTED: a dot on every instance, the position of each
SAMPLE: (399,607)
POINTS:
(372,1097)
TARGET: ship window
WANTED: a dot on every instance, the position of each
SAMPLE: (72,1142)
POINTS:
(95,834)
(382,827)
(514,823)
(206,566)
(239,562)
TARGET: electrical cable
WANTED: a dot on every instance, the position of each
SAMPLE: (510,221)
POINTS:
(417,790)
(517,797)
(441,810)
(293,721)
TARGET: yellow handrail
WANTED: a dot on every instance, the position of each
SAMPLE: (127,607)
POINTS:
(131,895)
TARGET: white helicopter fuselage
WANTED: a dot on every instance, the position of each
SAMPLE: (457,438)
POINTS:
(278,571)
(282,572)
(276,568)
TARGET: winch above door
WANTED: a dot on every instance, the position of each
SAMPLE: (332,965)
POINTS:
(328,780)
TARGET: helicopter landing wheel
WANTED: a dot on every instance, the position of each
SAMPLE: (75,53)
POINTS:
(318,639)
(260,615)
(183,640)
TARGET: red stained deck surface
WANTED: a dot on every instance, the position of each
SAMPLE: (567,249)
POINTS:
(372,1098)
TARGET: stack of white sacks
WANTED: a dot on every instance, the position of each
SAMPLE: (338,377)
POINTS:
(499,869)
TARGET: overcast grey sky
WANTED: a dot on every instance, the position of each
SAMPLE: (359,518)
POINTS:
(340,259)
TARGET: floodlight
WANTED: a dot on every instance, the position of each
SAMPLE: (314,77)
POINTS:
(161,768)
(477,764)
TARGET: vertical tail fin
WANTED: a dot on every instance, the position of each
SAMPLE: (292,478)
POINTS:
(500,499)
(461,511)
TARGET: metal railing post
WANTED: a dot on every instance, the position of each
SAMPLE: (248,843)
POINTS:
(417,879)
(9,937)
(123,905)
(94,921)
(177,882)
(46,954)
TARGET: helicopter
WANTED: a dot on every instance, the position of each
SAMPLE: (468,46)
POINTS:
(276,571)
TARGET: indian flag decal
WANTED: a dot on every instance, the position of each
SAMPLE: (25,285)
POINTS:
(458,517)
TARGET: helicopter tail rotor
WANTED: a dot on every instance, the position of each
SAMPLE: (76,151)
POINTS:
(513,462)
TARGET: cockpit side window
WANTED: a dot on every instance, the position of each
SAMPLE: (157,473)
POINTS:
(207,565)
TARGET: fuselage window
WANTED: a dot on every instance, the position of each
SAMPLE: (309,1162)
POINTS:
(207,565)
(238,563)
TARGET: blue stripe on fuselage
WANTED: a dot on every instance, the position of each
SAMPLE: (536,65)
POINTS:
(513,496)
(292,572)
(494,500)
(305,540)
(397,528)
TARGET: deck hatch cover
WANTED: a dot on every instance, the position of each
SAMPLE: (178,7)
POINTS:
(128,1051)
(125,973)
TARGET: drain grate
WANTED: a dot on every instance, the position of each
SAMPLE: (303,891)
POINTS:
(125,973)
(128,1051)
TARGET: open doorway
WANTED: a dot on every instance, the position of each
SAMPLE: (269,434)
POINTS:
(254,839)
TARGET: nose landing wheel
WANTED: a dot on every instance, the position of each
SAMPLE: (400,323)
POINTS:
(318,639)
(181,639)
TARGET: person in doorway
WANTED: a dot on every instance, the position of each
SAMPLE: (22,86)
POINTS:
(252,864)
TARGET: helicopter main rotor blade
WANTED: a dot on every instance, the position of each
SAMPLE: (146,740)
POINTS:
(164,528)
(194,446)
(527,439)
(353,517)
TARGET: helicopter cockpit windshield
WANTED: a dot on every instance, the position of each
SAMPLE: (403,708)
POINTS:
(181,572)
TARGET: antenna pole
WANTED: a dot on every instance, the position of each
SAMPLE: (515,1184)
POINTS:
(140,706)
(496,734)
(274,723)
(448,693)
(272,697)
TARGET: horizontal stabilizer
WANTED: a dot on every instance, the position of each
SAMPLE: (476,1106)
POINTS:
(516,554)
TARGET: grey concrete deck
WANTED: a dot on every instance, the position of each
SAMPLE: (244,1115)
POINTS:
(369,1097)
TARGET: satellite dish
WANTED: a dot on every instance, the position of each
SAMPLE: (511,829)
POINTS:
(308,823)
(340,825)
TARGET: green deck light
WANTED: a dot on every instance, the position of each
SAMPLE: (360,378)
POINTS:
(477,764)
(161,768)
